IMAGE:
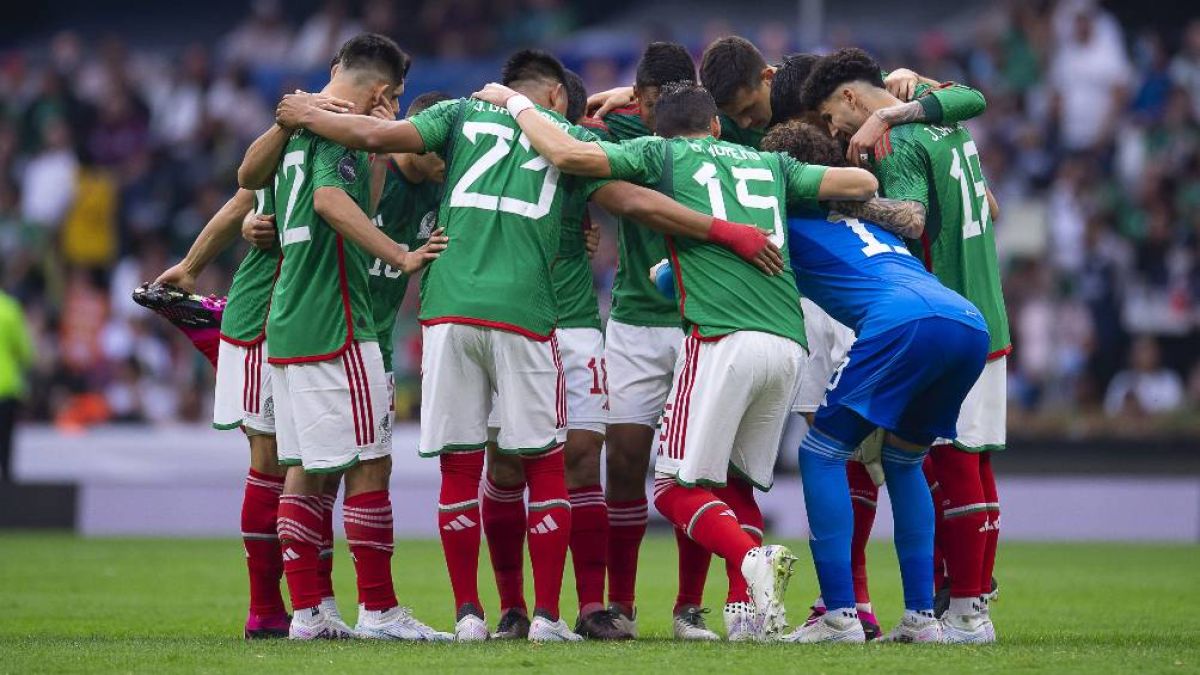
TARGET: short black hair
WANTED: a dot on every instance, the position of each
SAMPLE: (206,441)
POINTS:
(730,64)
(576,97)
(785,88)
(806,143)
(830,72)
(663,63)
(372,51)
(426,100)
(528,65)
(683,108)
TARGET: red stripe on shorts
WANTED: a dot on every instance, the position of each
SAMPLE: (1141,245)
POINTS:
(354,411)
(560,385)
(672,427)
(365,384)
(693,366)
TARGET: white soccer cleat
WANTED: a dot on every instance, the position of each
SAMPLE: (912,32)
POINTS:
(312,624)
(329,609)
(988,626)
(832,626)
(471,628)
(689,625)
(967,629)
(741,622)
(915,627)
(396,623)
(767,570)
(545,630)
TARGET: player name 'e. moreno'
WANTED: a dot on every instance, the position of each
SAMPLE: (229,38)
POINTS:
(730,151)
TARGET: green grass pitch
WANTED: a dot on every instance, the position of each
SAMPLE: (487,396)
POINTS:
(155,605)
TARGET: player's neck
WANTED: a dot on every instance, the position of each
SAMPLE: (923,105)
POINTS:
(875,98)
(342,88)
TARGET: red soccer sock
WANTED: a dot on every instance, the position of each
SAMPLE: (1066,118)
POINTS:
(264,561)
(503,513)
(326,565)
(694,560)
(589,544)
(299,529)
(549,527)
(368,518)
(739,495)
(707,520)
(992,533)
(626,529)
(964,514)
(458,523)
(935,491)
(864,494)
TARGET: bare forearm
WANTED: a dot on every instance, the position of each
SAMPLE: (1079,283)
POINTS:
(220,231)
(558,147)
(379,168)
(901,113)
(262,157)
(904,218)
(653,210)
(344,216)
(360,132)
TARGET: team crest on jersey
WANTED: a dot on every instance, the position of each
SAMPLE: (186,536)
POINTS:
(428,224)
(348,168)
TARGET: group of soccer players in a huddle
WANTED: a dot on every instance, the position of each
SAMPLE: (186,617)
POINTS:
(812,237)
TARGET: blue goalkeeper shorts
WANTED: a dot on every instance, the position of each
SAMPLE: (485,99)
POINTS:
(910,380)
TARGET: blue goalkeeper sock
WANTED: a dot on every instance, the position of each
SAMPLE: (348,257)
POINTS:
(830,515)
(912,513)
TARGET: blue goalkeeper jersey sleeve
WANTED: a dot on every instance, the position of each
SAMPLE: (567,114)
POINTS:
(864,276)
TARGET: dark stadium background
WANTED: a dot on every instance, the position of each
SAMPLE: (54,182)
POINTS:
(1100,245)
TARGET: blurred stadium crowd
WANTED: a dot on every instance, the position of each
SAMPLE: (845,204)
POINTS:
(113,156)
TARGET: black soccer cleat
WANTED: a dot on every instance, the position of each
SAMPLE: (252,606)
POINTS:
(514,625)
(602,624)
(182,309)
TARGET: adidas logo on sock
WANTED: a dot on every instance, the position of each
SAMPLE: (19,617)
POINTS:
(289,554)
(545,526)
(458,524)
(728,512)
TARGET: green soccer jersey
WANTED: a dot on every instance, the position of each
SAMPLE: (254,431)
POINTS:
(718,292)
(321,301)
(408,214)
(938,166)
(732,133)
(244,321)
(635,300)
(573,287)
(503,211)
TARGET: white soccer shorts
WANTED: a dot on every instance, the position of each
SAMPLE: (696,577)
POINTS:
(727,408)
(828,343)
(243,389)
(640,360)
(331,414)
(464,366)
(983,418)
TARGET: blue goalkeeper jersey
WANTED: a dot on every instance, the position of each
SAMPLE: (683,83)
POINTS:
(864,276)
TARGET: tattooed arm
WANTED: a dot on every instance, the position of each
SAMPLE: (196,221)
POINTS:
(902,217)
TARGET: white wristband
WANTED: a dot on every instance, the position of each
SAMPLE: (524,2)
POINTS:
(518,104)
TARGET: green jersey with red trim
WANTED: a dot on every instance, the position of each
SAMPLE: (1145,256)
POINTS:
(321,300)
(635,300)
(503,211)
(718,292)
(408,214)
(244,321)
(573,286)
(938,166)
